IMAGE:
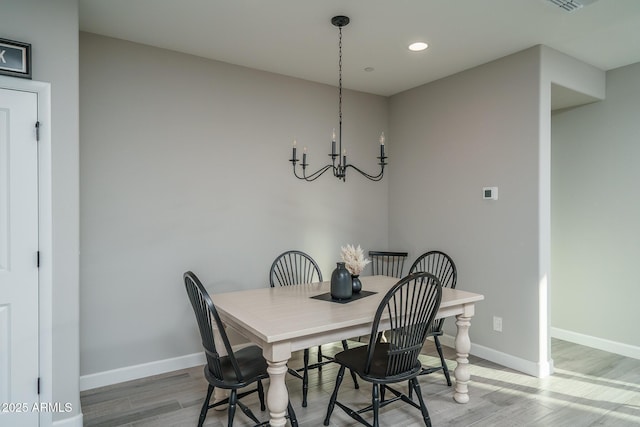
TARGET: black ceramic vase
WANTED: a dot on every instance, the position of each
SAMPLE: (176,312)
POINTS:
(341,287)
(356,285)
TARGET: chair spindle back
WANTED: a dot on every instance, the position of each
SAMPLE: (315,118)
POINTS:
(440,265)
(293,268)
(387,263)
(411,306)
(207,316)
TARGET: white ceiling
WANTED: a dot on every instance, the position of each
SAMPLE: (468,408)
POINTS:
(296,38)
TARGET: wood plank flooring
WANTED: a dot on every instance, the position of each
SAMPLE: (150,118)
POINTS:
(589,388)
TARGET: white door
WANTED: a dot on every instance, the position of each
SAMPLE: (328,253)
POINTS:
(18,259)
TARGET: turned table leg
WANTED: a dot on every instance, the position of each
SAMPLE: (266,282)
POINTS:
(277,395)
(463,346)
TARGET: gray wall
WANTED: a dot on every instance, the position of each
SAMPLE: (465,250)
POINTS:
(488,126)
(169,123)
(52,30)
(595,211)
(184,166)
(474,129)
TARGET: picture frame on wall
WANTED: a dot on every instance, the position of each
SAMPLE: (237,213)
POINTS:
(15,58)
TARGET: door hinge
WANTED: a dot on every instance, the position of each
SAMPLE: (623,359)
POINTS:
(37,131)
(38,259)
(38,385)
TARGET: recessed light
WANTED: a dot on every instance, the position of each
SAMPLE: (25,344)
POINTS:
(369,69)
(418,46)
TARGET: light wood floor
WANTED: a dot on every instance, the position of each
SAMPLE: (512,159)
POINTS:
(589,388)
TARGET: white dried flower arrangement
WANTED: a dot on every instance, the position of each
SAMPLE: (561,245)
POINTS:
(354,259)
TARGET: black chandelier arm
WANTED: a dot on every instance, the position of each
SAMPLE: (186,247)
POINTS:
(312,177)
(366,175)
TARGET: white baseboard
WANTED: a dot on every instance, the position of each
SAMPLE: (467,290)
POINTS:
(595,342)
(128,373)
(540,370)
(75,421)
(101,379)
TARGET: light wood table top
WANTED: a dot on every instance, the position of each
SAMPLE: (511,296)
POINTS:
(285,319)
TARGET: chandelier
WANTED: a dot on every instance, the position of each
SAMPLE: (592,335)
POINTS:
(338,163)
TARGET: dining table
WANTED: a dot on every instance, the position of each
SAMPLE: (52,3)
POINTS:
(286,319)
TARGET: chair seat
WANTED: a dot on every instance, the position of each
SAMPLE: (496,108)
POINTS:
(252,366)
(356,360)
(435,330)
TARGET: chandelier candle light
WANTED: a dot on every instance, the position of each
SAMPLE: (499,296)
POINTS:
(340,169)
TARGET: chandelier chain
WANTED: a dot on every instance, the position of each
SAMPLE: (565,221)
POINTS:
(340,83)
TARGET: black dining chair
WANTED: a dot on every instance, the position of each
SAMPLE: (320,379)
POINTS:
(409,307)
(294,268)
(236,370)
(387,263)
(442,266)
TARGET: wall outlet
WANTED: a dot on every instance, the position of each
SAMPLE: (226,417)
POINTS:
(497,324)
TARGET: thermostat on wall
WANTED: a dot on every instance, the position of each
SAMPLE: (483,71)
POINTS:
(490,193)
